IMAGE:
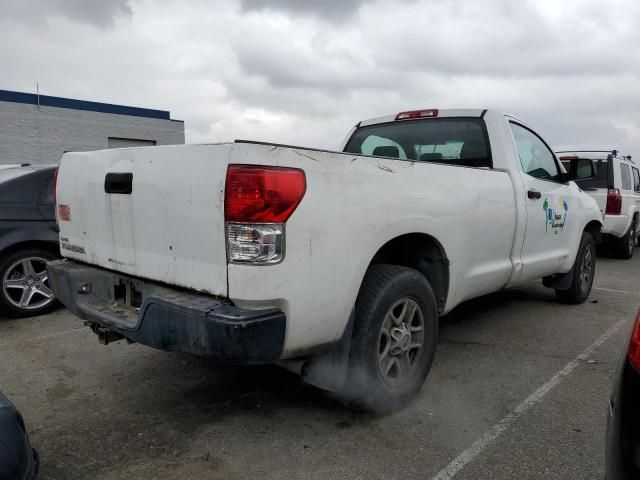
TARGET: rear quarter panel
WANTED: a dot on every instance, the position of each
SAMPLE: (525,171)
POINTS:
(17,232)
(352,207)
(22,218)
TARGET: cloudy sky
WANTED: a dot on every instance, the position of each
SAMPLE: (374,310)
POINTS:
(303,71)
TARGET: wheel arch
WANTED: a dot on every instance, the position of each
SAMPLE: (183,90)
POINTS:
(30,235)
(421,252)
(52,247)
(594,228)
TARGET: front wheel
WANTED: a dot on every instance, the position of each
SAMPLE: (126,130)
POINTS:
(394,338)
(584,270)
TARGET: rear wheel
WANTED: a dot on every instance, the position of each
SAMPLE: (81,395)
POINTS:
(584,270)
(25,289)
(394,338)
(623,247)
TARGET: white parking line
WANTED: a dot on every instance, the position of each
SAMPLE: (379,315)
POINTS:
(612,290)
(458,463)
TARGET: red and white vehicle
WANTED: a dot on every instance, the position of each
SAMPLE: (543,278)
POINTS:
(616,188)
(333,264)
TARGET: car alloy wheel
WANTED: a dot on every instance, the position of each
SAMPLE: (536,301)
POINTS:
(26,285)
(586,268)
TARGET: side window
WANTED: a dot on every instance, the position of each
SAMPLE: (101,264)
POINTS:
(626,176)
(636,179)
(536,158)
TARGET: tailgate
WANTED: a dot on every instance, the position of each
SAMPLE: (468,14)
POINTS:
(152,212)
(600,196)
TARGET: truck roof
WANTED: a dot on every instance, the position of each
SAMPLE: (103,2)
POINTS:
(590,154)
(472,112)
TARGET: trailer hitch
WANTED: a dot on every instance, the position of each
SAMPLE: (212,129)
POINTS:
(105,336)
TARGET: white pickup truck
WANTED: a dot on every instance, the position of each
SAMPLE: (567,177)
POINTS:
(333,264)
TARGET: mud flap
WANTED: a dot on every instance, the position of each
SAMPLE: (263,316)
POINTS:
(560,281)
(328,371)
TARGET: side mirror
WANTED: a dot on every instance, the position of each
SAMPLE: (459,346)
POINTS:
(582,169)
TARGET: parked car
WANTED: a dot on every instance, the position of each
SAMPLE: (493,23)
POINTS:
(18,460)
(334,264)
(28,239)
(623,426)
(616,188)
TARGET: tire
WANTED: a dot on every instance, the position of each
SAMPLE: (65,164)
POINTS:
(584,270)
(624,246)
(383,319)
(23,292)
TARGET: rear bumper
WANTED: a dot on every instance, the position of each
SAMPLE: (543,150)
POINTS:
(168,318)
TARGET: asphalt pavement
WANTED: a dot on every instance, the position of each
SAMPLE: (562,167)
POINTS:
(518,389)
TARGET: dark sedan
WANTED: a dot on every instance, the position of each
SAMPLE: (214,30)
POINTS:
(28,239)
(18,461)
(623,427)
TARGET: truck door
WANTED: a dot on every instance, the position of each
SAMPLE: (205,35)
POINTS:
(551,229)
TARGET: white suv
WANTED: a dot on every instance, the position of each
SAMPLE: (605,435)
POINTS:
(616,188)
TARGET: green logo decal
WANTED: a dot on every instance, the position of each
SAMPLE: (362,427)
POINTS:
(555,217)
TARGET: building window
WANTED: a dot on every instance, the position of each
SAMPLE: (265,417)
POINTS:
(115,142)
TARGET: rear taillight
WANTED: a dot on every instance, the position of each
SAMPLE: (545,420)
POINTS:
(55,185)
(634,346)
(258,201)
(614,202)
(262,194)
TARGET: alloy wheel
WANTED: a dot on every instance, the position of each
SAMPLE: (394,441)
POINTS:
(401,341)
(26,285)
(586,268)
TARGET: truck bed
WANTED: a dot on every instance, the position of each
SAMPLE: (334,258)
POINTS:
(170,228)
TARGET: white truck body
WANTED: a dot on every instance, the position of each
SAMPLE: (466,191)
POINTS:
(171,228)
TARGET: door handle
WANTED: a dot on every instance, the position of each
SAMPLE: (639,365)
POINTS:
(534,194)
(118,183)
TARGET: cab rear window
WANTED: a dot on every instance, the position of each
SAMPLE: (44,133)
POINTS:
(452,141)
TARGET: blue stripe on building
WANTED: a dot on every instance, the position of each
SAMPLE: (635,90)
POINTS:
(59,102)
